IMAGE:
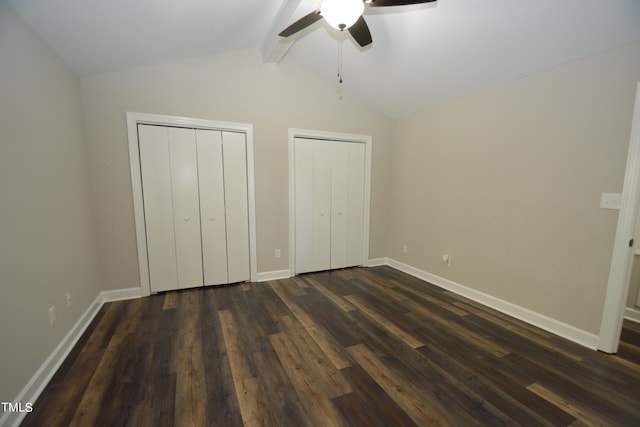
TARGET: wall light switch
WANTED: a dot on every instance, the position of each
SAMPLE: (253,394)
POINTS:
(610,200)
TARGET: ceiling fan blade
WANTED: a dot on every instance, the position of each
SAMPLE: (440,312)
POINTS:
(360,32)
(301,23)
(382,3)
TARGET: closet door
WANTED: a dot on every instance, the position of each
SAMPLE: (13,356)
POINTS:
(186,206)
(322,156)
(195,197)
(355,204)
(212,207)
(303,190)
(329,204)
(158,207)
(313,204)
(347,204)
(339,203)
(234,154)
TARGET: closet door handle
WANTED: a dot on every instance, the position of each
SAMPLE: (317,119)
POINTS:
(213,218)
(187,219)
(321,213)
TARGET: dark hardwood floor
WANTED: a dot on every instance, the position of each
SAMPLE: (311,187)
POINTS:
(356,347)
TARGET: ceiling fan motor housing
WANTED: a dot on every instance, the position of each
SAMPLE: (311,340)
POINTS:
(346,14)
(341,14)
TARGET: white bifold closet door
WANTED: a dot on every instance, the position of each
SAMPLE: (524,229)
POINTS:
(186,206)
(212,207)
(329,204)
(236,205)
(195,202)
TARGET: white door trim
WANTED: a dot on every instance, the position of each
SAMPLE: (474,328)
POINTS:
(622,257)
(133,119)
(332,136)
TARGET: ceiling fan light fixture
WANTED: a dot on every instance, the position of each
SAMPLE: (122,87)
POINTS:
(341,14)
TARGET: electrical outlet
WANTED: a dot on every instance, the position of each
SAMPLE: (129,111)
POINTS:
(446,259)
(405,248)
(52,315)
(277,253)
(610,201)
(68,295)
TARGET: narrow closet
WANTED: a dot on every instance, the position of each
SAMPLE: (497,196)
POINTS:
(329,187)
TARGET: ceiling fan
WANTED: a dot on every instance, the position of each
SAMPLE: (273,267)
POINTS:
(346,14)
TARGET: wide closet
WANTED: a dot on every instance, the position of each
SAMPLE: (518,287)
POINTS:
(329,184)
(194,191)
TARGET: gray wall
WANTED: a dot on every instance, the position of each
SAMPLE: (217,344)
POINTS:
(48,244)
(508,181)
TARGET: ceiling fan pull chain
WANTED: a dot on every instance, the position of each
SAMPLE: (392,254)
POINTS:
(339,85)
(340,61)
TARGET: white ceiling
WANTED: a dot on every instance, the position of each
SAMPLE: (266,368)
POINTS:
(421,55)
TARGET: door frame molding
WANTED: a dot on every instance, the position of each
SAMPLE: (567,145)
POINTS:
(133,120)
(367,140)
(622,257)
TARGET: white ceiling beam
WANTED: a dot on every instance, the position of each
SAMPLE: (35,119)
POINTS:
(273,47)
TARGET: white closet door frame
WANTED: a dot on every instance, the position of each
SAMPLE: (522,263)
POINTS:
(133,120)
(329,136)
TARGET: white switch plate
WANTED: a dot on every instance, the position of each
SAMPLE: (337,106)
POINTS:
(610,200)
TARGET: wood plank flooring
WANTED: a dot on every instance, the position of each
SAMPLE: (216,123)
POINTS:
(353,347)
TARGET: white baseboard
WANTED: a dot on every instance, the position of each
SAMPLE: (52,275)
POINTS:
(43,375)
(376,262)
(632,314)
(273,275)
(121,294)
(564,330)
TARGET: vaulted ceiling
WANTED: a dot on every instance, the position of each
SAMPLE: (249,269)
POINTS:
(421,55)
